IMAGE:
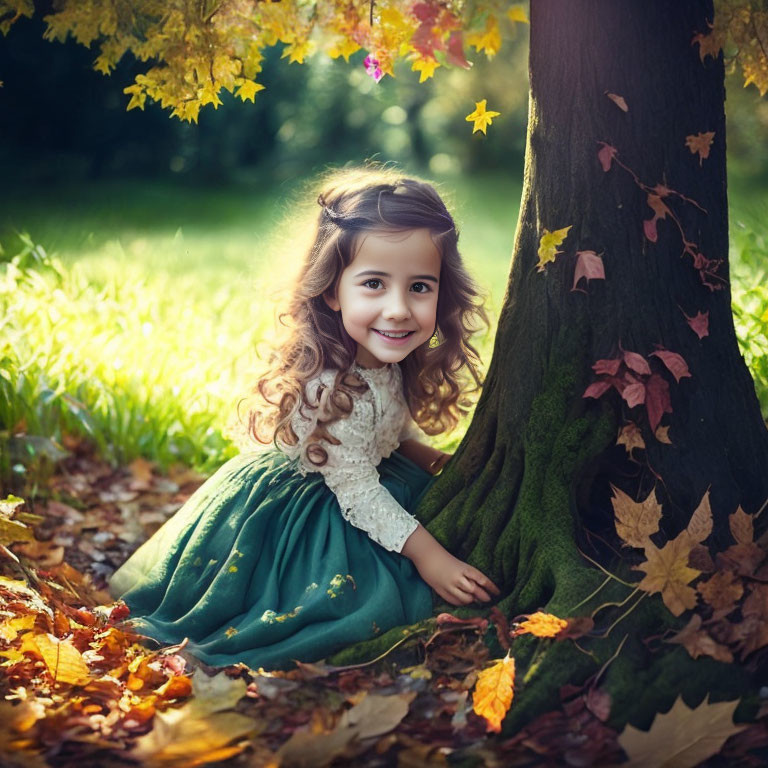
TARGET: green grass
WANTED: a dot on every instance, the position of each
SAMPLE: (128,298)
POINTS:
(141,332)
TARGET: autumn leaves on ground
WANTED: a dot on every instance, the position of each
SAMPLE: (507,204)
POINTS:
(79,689)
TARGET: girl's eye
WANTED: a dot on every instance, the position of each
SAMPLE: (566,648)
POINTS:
(376,280)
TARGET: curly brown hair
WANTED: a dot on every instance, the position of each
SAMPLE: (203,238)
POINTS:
(354,200)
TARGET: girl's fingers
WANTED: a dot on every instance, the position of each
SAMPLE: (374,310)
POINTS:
(483,581)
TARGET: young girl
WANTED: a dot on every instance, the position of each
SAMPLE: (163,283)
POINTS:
(295,551)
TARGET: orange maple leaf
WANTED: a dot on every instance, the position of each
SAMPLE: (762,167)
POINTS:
(493,693)
(540,624)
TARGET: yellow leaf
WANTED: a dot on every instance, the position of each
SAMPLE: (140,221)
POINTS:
(426,68)
(547,244)
(541,624)
(489,40)
(493,692)
(343,47)
(248,89)
(64,661)
(517,13)
(481,116)
(298,51)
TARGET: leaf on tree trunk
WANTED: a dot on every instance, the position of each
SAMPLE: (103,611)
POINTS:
(700,525)
(682,737)
(667,572)
(722,590)
(700,144)
(618,100)
(674,362)
(630,437)
(699,643)
(548,246)
(699,323)
(635,520)
(657,399)
(589,265)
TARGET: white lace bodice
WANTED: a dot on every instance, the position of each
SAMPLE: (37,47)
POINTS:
(379,421)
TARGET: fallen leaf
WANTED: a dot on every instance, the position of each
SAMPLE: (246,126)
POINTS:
(493,693)
(682,737)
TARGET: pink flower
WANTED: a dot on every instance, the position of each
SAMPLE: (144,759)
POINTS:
(372,67)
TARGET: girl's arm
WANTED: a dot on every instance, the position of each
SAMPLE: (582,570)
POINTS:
(457,582)
(428,458)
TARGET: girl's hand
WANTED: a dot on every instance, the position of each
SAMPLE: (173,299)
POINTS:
(439,462)
(457,582)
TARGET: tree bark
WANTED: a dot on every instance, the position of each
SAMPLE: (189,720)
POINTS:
(527,491)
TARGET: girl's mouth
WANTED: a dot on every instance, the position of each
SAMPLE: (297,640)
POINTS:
(395,341)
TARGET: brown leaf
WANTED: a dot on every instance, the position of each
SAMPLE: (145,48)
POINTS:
(635,520)
(700,524)
(682,737)
(699,643)
(630,437)
(722,590)
(667,572)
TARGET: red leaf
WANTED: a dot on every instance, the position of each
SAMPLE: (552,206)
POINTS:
(676,364)
(700,323)
(610,366)
(589,265)
(455,52)
(597,389)
(606,155)
(637,362)
(649,228)
(657,399)
(633,391)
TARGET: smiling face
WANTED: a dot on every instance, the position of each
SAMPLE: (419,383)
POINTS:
(390,285)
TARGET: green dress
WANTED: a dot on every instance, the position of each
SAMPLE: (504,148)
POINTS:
(259,566)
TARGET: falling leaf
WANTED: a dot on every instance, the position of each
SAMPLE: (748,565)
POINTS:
(548,244)
(493,693)
(667,572)
(682,737)
(618,100)
(589,265)
(635,520)
(481,117)
(700,144)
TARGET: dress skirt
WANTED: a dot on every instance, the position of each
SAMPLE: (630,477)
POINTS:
(259,566)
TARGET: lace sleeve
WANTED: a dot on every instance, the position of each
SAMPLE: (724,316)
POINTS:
(410,430)
(351,474)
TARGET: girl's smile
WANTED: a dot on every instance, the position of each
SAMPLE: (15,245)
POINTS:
(390,287)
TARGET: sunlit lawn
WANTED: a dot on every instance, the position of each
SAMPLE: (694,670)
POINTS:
(149,337)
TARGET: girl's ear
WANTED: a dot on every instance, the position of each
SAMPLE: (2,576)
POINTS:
(332,302)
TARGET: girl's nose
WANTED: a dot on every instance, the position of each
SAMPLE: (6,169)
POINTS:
(397,309)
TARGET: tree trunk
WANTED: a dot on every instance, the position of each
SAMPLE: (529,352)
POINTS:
(528,489)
